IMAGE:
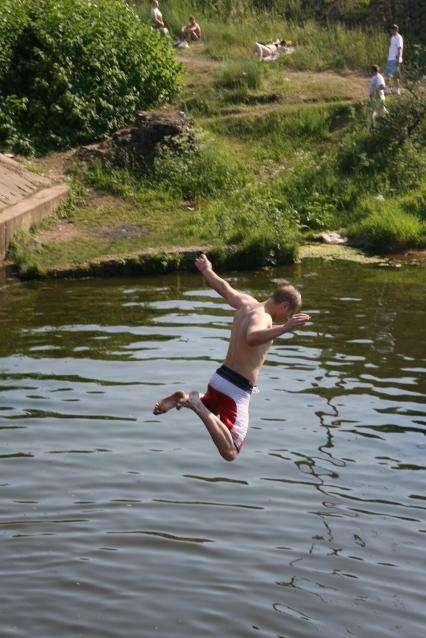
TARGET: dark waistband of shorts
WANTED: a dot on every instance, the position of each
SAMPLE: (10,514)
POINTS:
(235,378)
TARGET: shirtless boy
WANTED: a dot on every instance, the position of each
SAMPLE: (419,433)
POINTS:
(268,51)
(191,31)
(224,407)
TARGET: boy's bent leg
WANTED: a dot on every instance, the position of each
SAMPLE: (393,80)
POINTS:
(175,400)
(219,433)
(257,50)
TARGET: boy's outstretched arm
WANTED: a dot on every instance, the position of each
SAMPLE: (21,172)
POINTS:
(258,335)
(232,296)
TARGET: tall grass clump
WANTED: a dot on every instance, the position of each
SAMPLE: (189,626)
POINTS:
(394,150)
(334,47)
(279,133)
(388,159)
(409,14)
(26,260)
(387,228)
(236,80)
(415,202)
(73,71)
(252,221)
(326,186)
(236,75)
(207,170)
(186,170)
(109,178)
(319,48)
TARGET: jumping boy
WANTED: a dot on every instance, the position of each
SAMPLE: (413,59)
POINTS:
(224,408)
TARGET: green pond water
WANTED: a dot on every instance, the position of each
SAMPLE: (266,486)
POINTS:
(115,523)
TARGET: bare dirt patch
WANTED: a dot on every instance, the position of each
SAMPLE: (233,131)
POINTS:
(63,231)
(122,231)
(102,200)
(53,165)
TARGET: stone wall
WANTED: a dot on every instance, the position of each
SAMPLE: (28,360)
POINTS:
(141,141)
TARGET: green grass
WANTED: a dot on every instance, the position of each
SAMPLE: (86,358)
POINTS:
(279,132)
(318,49)
(230,29)
(389,229)
(414,203)
(281,153)
(111,229)
(237,75)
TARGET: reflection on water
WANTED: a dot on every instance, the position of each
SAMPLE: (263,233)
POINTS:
(115,522)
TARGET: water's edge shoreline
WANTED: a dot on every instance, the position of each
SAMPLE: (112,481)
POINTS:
(182,259)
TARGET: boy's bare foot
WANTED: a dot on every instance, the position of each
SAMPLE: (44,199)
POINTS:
(175,400)
(194,402)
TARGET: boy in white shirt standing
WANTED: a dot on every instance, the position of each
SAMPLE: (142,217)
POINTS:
(393,65)
(157,18)
(377,93)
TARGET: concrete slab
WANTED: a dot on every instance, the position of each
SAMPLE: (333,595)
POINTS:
(17,182)
(25,198)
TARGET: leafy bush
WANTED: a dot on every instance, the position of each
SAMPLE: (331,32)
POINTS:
(72,71)
(387,159)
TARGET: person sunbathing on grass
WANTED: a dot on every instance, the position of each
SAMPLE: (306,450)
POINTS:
(224,408)
(268,51)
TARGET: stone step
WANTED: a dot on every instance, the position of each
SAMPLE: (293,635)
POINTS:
(25,198)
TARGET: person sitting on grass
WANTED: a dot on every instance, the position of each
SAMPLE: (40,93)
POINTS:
(191,31)
(268,51)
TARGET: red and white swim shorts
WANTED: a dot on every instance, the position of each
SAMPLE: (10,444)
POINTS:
(228,397)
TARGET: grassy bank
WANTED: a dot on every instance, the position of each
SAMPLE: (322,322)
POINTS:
(284,152)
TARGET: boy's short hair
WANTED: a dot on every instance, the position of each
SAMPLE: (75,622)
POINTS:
(375,68)
(394,26)
(290,294)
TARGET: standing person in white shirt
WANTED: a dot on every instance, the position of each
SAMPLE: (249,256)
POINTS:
(377,93)
(157,17)
(393,65)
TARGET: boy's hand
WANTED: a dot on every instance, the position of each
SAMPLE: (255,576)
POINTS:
(296,320)
(203,263)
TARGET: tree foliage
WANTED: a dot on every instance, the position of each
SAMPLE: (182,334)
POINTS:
(72,71)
